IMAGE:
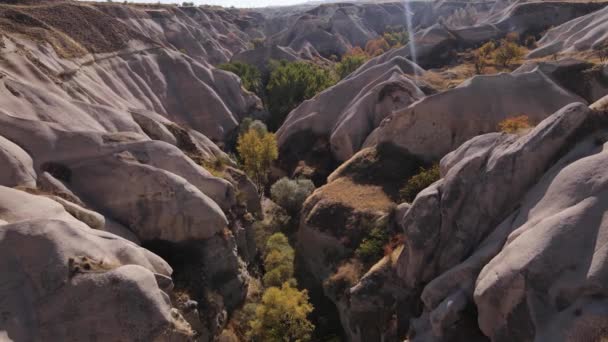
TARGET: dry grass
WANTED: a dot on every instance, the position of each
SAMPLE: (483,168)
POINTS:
(357,196)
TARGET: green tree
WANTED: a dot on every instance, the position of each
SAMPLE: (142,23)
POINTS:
(282,316)
(290,84)
(348,64)
(249,75)
(258,150)
(278,261)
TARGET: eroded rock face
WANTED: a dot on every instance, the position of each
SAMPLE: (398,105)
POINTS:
(439,123)
(551,294)
(56,271)
(344,120)
(17,165)
(584,33)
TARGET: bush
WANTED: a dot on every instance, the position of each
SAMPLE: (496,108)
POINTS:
(396,36)
(290,84)
(283,316)
(257,150)
(250,75)
(419,182)
(486,49)
(257,43)
(479,61)
(507,53)
(291,194)
(376,47)
(349,64)
(514,124)
(249,123)
(371,249)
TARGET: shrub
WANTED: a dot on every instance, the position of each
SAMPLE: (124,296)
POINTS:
(291,194)
(257,42)
(396,36)
(514,124)
(356,51)
(376,47)
(250,75)
(479,61)
(507,53)
(419,182)
(349,64)
(249,123)
(282,316)
(257,150)
(290,84)
(486,49)
(371,249)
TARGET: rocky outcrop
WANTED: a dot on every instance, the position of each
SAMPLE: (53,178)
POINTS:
(56,272)
(439,123)
(357,200)
(344,120)
(508,205)
(581,34)
(112,133)
(585,79)
(18,168)
(87,83)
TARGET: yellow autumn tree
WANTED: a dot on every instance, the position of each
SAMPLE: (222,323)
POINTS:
(283,316)
(258,150)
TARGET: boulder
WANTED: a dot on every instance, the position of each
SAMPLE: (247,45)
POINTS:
(158,203)
(17,166)
(63,281)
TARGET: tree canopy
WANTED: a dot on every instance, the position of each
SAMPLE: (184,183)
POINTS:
(290,84)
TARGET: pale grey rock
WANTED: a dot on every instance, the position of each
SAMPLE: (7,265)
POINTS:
(157,204)
(17,166)
(584,33)
(58,277)
(440,123)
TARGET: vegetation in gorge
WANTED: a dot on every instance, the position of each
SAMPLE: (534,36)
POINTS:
(291,194)
(396,36)
(502,54)
(281,313)
(257,150)
(507,53)
(419,182)
(278,261)
(291,83)
(350,63)
(250,76)
(282,316)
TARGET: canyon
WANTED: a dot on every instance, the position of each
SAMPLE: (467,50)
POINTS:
(126,214)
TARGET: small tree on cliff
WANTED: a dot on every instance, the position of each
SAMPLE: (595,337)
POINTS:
(258,150)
